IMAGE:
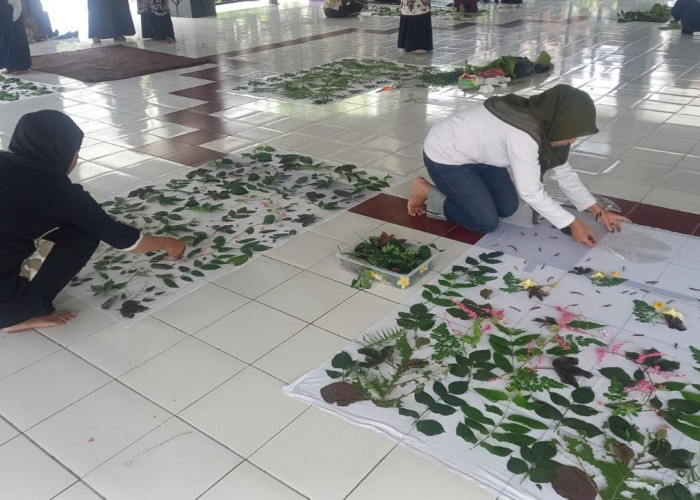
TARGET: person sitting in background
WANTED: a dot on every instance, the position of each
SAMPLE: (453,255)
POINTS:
(14,47)
(342,8)
(688,13)
(467,155)
(156,22)
(39,201)
(109,19)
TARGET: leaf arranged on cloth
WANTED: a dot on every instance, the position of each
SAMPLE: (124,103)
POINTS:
(226,212)
(565,367)
(573,484)
(342,394)
(13,89)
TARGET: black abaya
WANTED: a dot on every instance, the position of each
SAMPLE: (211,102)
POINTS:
(37,196)
(14,47)
(109,19)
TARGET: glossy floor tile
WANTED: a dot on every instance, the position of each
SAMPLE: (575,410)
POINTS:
(189,402)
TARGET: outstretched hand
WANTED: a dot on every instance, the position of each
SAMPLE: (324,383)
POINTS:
(611,220)
(582,233)
(175,248)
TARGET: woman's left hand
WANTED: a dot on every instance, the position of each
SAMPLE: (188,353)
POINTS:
(611,220)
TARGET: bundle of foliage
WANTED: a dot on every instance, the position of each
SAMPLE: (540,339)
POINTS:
(657,14)
(513,66)
(390,253)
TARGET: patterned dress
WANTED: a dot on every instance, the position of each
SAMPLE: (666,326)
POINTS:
(415,26)
(156,22)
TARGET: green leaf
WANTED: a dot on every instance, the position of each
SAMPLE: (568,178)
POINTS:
(492,395)
(409,413)
(624,430)
(466,433)
(475,414)
(502,362)
(677,459)
(499,451)
(584,411)
(589,430)
(559,400)
(516,439)
(675,491)
(342,360)
(458,387)
(530,422)
(429,427)
(480,356)
(517,466)
(169,282)
(545,410)
(544,450)
(683,405)
(541,474)
(583,395)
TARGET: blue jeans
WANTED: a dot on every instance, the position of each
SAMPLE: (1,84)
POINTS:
(476,195)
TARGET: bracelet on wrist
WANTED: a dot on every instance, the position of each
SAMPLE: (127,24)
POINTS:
(597,216)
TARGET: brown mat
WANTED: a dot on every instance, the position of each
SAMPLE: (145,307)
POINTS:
(112,62)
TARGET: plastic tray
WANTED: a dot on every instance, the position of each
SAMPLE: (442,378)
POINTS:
(390,278)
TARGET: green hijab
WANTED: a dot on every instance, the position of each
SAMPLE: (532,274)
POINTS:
(562,112)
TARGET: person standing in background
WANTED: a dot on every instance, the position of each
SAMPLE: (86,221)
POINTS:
(14,48)
(156,22)
(109,19)
(415,27)
(688,13)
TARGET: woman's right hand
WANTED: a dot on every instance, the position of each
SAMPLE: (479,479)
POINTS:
(581,233)
(175,248)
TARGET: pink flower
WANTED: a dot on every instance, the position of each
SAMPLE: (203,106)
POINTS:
(203,250)
(562,342)
(616,347)
(643,386)
(264,203)
(283,215)
(640,359)
(464,308)
(455,332)
(600,352)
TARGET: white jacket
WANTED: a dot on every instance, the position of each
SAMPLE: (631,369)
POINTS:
(474,135)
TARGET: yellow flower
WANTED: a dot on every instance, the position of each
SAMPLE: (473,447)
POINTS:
(376,276)
(422,269)
(615,274)
(659,306)
(673,313)
(403,282)
(527,283)
(597,275)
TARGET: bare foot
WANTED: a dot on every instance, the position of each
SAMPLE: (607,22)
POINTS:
(169,40)
(419,193)
(96,40)
(419,51)
(119,39)
(18,72)
(56,318)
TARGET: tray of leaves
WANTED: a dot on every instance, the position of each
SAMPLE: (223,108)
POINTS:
(386,259)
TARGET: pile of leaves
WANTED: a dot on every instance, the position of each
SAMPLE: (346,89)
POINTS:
(657,14)
(513,66)
(390,253)
(396,11)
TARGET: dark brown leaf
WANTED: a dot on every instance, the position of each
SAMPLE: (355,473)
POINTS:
(342,394)
(486,293)
(565,367)
(623,452)
(536,291)
(573,484)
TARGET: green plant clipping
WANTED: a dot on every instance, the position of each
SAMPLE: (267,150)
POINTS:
(227,212)
(658,13)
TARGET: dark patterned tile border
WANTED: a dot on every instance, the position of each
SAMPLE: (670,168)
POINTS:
(392,209)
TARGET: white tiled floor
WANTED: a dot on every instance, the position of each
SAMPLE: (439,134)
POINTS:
(188,403)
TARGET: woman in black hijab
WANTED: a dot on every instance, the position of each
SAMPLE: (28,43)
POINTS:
(38,200)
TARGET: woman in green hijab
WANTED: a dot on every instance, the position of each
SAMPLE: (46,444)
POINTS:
(467,154)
